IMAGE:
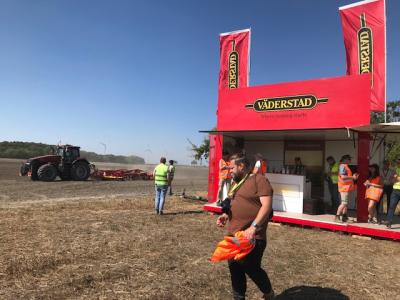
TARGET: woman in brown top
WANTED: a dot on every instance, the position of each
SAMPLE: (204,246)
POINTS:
(251,208)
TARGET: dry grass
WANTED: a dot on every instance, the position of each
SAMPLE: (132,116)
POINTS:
(101,240)
(118,249)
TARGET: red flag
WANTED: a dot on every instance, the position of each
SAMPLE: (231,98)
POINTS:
(364,30)
(234,59)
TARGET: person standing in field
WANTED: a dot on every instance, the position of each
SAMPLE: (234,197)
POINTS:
(161,185)
(171,173)
(250,210)
(332,178)
(224,176)
(346,187)
(373,192)
(387,174)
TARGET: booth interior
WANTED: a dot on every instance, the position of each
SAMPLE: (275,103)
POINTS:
(305,192)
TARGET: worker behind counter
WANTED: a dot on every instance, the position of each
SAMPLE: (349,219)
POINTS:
(299,168)
(260,167)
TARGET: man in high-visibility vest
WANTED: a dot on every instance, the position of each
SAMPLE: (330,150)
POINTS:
(332,178)
(161,183)
(395,197)
(346,187)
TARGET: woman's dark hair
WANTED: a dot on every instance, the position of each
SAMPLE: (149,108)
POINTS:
(375,171)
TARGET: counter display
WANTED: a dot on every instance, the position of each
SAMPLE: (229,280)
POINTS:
(289,191)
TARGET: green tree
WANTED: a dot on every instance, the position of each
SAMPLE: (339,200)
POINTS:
(201,151)
(392,148)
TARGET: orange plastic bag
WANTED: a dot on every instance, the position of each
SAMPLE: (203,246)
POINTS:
(373,193)
(233,247)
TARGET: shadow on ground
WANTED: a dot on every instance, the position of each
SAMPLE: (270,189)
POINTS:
(188,212)
(311,293)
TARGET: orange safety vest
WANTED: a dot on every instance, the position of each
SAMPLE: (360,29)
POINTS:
(372,192)
(224,174)
(262,170)
(233,247)
(345,185)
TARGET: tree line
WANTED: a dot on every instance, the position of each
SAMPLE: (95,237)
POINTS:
(25,150)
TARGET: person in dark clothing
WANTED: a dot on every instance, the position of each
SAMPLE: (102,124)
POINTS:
(250,210)
(299,168)
(387,174)
(332,179)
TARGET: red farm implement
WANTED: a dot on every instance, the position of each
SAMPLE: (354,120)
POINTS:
(122,174)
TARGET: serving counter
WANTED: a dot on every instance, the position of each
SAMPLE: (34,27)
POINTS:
(289,191)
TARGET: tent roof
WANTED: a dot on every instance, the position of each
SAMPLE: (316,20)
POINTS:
(310,134)
(393,127)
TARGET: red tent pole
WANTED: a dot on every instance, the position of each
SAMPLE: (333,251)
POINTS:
(215,155)
(363,162)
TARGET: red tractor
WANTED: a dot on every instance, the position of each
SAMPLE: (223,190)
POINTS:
(65,163)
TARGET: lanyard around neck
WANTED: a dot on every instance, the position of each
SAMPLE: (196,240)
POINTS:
(236,186)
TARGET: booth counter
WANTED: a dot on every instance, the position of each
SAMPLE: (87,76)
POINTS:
(289,191)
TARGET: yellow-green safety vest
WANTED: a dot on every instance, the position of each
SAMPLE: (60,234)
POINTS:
(396,185)
(335,170)
(160,175)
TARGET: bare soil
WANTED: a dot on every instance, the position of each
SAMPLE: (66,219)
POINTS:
(102,240)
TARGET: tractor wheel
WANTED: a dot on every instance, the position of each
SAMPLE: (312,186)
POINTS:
(80,171)
(23,170)
(34,170)
(47,172)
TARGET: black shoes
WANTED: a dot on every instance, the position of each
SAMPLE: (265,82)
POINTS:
(345,218)
(388,224)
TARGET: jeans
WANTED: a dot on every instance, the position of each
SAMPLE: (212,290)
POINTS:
(161,193)
(394,200)
(250,265)
(333,190)
(387,190)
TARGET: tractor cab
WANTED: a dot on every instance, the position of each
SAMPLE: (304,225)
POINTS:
(68,153)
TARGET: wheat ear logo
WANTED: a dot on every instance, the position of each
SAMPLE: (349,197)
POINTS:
(233,68)
(365,49)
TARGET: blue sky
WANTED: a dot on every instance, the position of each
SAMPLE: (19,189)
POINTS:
(141,76)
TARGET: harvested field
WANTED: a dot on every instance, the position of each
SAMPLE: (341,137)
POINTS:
(101,240)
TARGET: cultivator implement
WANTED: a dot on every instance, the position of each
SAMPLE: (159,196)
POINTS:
(121,174)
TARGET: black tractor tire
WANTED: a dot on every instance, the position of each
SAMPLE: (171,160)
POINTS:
(47,172)
(23,170)
(80,171)
(65,172)
(34,170)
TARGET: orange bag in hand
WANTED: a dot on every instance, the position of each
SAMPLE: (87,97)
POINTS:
(233,247)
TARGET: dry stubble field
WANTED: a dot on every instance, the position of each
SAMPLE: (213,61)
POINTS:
(101,240)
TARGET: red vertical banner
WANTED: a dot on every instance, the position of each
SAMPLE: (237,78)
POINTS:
(234,59)
(234,73)
(364,30)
